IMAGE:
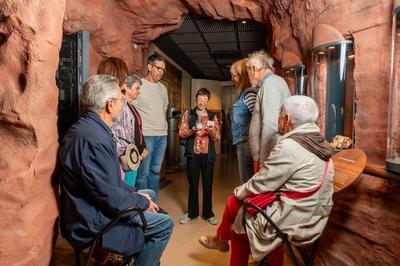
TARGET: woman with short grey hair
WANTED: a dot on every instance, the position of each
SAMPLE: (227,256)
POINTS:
(294,187)
(128,129)
(308,113)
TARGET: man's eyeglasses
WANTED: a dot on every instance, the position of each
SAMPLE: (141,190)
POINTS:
(159,68)
(123,99)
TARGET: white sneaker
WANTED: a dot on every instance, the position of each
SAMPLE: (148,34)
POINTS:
(185,219)
(212,220)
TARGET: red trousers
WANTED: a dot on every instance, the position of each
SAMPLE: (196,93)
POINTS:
(240,246)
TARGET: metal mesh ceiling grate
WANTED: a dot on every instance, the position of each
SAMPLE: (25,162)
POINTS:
(210,25)
(187,27)
(210,46)
(187,38)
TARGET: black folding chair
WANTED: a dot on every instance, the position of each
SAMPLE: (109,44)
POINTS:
(284,237)
(127,260)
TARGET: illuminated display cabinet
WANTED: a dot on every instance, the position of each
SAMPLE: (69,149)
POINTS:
(296,78)
(393,136)
(332,84)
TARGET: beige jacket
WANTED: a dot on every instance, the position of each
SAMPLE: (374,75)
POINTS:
(290,167)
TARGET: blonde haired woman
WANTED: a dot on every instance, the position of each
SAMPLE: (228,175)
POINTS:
(241,116)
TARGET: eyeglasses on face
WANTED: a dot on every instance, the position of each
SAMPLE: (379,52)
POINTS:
(123,99)
(159,68)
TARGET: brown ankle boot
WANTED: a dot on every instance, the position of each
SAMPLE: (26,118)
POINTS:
(214,242)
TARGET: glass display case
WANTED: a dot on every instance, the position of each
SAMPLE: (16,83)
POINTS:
(73,70)
(393,136)
(296,78)
(332,88)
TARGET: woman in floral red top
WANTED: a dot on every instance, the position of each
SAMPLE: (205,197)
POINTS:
(200,128)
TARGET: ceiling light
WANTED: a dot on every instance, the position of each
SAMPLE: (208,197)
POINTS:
(321,52)
(331,47)
(244,21)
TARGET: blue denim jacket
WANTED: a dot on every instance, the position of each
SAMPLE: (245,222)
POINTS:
(241,118)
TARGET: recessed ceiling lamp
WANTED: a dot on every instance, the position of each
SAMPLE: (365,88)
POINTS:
(244,21)
(331,47)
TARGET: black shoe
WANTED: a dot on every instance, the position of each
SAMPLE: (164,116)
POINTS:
(161,210)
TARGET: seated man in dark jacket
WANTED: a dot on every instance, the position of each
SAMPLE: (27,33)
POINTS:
(92,191)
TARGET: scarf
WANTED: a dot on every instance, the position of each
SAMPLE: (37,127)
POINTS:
(315,143)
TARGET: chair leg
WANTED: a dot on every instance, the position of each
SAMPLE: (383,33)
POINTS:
(314,249)
(77,253)
(291,253)
(129,261)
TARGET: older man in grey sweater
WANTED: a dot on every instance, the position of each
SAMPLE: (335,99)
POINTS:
(263,133)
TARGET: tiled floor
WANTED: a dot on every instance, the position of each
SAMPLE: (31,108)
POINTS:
(183,248)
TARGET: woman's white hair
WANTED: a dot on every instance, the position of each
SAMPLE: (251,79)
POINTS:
(97,91)
(302,110)
(260,60)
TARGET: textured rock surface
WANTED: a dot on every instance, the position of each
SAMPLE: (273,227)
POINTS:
(353,235)
(363,229)
(114,25)
(28,104)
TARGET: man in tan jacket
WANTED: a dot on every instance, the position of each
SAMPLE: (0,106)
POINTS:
(299,164)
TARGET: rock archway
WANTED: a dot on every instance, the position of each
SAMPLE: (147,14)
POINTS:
(30,37)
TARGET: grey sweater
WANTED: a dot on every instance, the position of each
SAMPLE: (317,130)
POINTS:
(263,132)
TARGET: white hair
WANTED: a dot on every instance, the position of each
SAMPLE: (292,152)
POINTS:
(302,110)
(97,90)
(260,60)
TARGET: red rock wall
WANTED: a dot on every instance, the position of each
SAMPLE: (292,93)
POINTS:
(30,36)
(364,228)
(352,236)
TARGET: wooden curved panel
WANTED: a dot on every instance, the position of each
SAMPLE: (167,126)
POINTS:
(348,165)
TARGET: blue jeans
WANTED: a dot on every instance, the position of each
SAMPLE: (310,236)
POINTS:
(245,161)
(149,169)
(156,237)
(149,192)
